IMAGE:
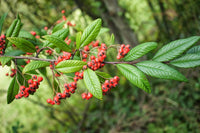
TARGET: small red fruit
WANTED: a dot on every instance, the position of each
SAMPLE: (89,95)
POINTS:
(34,77)
(40,79)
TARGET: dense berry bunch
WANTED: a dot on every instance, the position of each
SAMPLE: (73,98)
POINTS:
(31,89)
(65,56)
(86,96)
(108,84)
(124,49)
(2,43)
(12,74)
(97,63)
(69,88)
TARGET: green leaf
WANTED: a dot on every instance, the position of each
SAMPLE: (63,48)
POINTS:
(135,76)
(3,17)
(35,65)
(11,28)
(58,26)
(5,60)
(22,44)
(15,31)
(140,50)
(58,42)
(26,34)
(194,50)
(12,90)
(17,28)
(92,83)
(63,33)
(174,49)
(14,87)
(56,86)
(69,66)
(160,70)
(103,75)
(91,32)
(78,40)
(187,61)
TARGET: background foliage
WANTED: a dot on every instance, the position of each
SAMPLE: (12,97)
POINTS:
(171,107)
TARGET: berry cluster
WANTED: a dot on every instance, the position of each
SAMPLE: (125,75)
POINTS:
(108,84)
(2,43)
(12,74)
(78,76)
(68,41)
(58,97)
(69,88)
(124,49)
(49,52)
(86,96)
(33,85)
(97,63)
(65,56)
(94,44)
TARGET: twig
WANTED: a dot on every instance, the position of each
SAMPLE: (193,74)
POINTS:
(121,62)
(30,58)
(74,53)
(43,49)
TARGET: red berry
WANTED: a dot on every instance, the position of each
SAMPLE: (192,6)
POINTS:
(33,33)
(84,56)
(31,86)
(34,77)
(45,28)
(22,88)
(89,64)
(59,95)
(63,95)
(26,95)
(30,81)
(84,67)
(58,103)
(84,95)
(76,79)
(49,100)
(89,95)
(118,57)
(116,78)
(40,79)
(63,11)
(86,48)
(92,57)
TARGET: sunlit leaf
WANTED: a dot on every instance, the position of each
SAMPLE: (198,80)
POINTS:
(91,32)
(58,42)
(174,49)
(35,65)
(69,66)
(187,61)
(160,70)
(135,76)
(140,50)
(22,44)
(92,83)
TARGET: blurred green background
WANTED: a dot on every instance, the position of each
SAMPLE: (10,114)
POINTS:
(172,107)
